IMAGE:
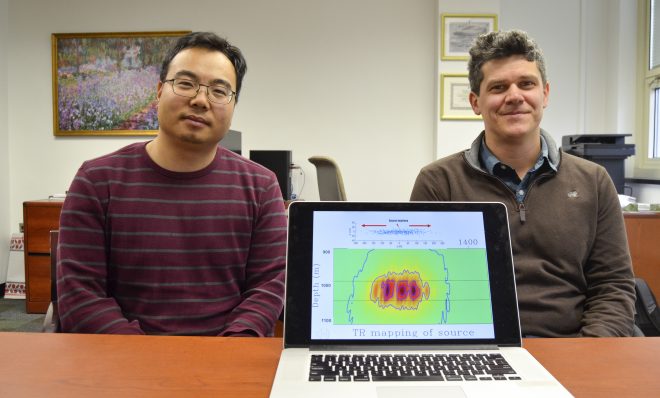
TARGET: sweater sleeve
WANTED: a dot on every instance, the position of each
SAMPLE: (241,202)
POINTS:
(82,268)
(610,298)
(262,299)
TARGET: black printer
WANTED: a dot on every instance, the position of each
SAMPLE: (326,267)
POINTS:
(608,150)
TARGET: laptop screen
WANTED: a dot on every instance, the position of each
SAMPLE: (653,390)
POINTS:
(410,273)
(393,275)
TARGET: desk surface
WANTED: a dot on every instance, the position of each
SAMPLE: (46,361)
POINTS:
(64,365)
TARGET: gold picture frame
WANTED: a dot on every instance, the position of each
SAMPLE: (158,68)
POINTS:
(105,83)
(458,31)
(454,97)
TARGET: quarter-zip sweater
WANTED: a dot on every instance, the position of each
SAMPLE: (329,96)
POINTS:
(572,264)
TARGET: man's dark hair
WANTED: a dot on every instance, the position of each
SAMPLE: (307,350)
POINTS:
(497,45)
(209,41)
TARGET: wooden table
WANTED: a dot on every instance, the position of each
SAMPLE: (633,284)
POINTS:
(602,367)
(70,365)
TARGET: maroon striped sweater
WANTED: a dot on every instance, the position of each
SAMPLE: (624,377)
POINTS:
(146,250)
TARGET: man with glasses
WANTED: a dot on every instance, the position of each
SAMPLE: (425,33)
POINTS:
(573,269)
(176,235)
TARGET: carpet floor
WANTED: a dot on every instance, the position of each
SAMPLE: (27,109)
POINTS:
(13,317)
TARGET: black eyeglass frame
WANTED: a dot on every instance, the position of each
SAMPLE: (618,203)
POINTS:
(231,96)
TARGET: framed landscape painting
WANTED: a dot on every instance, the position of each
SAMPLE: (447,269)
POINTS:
(105,83)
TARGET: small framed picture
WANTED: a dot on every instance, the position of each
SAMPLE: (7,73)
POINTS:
(454,97)
(459,31)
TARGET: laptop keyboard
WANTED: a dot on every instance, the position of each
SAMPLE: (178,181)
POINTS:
(412,367)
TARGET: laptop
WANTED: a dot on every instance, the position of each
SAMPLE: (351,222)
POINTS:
(387,299)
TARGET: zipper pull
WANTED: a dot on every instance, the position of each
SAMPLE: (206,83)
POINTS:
(521,208)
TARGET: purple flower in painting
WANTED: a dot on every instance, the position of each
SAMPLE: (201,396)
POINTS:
(107,99)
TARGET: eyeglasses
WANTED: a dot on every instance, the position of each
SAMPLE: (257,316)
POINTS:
(216,93)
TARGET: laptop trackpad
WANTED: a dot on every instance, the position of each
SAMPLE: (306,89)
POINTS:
(420,391)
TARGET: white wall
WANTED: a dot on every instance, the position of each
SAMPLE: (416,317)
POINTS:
(556,26)
(561,49)
(4,143)
(343,78)
(645,193)
(355,80)
(588,64)
(456,135)
(590,50)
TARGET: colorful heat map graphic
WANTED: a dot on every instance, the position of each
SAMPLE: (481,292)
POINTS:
(410,287)
(403,290)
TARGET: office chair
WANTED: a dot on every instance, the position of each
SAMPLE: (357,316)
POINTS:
(331,184)
(52,319)
(647,312)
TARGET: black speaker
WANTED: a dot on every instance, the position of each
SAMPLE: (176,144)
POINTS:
(279,162)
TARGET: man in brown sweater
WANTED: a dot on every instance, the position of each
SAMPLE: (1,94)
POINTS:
(573,268)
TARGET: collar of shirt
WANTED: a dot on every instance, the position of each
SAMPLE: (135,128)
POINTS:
(495,167)
(490,161)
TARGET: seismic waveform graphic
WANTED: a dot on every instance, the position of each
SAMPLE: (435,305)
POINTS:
(394,232)
(403,290)
(398,232)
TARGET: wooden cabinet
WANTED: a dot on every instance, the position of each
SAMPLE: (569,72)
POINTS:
(39,218)
(643,231)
